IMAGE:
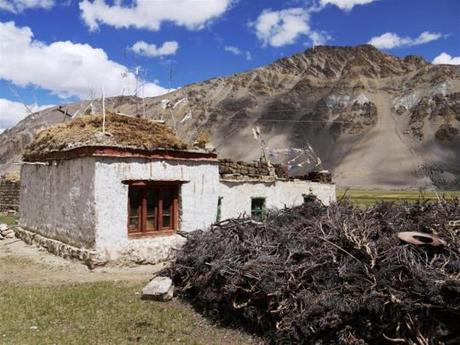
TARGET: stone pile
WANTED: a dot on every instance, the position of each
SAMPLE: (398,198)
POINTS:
(6,232)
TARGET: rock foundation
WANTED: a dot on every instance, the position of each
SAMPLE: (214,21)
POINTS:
(89,257)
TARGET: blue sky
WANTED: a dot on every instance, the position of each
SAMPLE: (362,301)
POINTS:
(57,51)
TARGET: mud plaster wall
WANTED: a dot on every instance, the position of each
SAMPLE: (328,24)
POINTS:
(197,203)
(9,195)
(236,196)
(57,201)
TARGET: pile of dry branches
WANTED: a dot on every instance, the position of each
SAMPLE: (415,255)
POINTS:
(337,275)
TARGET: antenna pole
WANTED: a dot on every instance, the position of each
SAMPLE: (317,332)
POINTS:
(136,74)
(103,112)
(21,99)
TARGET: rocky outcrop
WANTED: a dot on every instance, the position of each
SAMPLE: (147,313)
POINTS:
(444,109)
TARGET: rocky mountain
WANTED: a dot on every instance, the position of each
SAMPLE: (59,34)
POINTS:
(375,120)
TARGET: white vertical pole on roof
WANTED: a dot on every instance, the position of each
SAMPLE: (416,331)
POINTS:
(103,112)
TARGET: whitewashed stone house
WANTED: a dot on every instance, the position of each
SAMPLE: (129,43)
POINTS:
(124,195)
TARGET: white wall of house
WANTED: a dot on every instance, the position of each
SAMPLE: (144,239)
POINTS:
(197,203)
(83,201)
(237,195)
(57,201)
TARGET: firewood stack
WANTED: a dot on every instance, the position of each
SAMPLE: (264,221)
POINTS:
(337,275)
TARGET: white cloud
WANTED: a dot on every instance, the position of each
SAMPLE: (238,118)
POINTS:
(391,40)
(12,112)
(345,5)
(446,59)
(279,28)
(65,68)
(17,6)
(238,51)
(149,14)
(151,50)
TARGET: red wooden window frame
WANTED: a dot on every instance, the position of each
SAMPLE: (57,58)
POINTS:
(160,192)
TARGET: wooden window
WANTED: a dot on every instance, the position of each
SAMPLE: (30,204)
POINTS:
(257,207)
(152,208)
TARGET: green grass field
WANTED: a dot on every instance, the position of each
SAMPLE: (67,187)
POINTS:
(7,219)
(103,313)
(364,197)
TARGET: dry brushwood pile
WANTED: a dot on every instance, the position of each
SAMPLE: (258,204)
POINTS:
(337,275)
(121,131)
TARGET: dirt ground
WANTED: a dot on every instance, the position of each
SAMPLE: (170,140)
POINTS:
(26,264)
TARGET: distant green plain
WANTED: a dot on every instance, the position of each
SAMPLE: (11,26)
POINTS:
(363,197)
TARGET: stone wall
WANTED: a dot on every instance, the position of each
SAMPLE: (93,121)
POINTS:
(88,257)
(227,167)
(9,195)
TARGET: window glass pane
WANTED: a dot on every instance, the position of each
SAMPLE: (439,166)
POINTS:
(152,208)
(151,215)
(257,207)
(219,208)
(167,196)
(135,203)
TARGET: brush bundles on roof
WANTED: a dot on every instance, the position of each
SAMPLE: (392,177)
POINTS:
(120,132)
(337,275)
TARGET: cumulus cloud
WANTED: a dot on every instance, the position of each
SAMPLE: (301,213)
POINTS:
(17,6)
(391,40)
(345,5)
(238,51)
(151,50)
(148,14)
(65,68)
(446,59)
(12,112)
(280,28)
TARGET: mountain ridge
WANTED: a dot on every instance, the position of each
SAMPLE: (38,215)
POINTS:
(348,103)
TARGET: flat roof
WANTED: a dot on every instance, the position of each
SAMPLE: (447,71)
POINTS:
(125,152)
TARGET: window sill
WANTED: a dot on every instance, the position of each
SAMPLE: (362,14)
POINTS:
(135,235)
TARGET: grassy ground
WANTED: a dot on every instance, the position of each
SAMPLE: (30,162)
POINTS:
(101,313)
(364,197)
(47,300)
(7,219)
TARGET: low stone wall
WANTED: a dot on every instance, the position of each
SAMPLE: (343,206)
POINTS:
(140,252)
(254,169)
(90,258)
(9,195)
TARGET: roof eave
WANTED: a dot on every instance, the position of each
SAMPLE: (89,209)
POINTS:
(123,152)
